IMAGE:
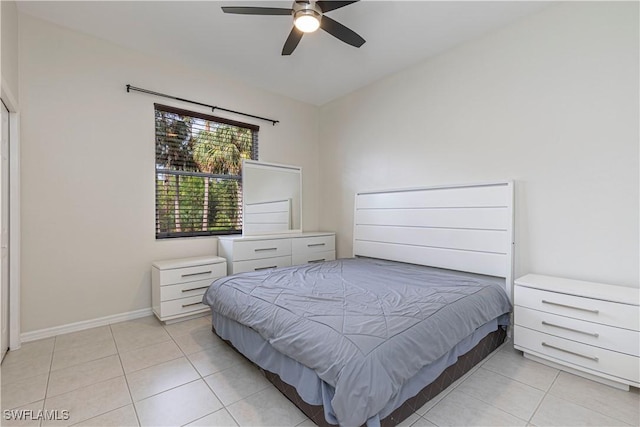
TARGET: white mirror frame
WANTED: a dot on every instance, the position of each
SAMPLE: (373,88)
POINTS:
(266,204)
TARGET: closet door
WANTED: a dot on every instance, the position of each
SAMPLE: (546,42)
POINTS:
(4,232)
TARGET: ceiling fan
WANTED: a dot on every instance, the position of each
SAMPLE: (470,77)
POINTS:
(308,16)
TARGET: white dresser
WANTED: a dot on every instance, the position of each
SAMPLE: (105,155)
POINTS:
(177,285)
(252,253)
(589,329)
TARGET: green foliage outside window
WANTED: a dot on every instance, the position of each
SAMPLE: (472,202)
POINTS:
(198,174)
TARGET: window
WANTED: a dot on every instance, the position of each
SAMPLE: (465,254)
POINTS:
(198,172)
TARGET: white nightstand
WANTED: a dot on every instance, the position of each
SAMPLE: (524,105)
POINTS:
(177,285)
(589,329)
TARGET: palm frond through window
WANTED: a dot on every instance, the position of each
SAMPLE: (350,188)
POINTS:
(198,172)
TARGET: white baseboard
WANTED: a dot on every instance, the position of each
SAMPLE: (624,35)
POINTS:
(85,324)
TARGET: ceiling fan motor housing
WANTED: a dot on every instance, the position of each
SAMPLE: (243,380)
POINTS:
(302,9)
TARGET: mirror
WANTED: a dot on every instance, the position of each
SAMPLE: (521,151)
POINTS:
(271,198)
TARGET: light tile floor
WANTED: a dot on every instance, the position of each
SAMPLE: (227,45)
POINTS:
(144,373)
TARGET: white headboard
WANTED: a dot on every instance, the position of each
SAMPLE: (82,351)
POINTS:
(273,216)
(460,227)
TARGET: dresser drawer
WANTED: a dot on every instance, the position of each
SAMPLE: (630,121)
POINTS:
(261,264)
(309,258)
(192,274)
(183,290)
(603,336)
(258,249)
(305,245)
(182,306)
(594,358)
(597,311)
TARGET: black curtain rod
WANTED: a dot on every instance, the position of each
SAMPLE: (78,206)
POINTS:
(213,107)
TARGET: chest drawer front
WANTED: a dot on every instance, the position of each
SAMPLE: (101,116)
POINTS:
(261,264)
(181,306)
(184,290)
(592,310)
(192,274)
(304,245)
(603,336)
(598,359)
(313,257)
(258,249)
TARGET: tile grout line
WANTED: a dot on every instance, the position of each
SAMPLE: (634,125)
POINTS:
(46,390)
(521,382)
(151,366)
(205,382)
(53,351)
(546,393)
(463,378)
(126,380)
(495,407)
(197,372)
(93,384)
(579,404)
(171,338)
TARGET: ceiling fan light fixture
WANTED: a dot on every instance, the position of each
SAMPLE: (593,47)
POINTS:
(307,20)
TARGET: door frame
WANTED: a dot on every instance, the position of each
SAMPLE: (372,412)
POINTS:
(14,215)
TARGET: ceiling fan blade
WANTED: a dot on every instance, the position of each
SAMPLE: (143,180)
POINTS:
(341,32)
(327,6)
(256,10)
(292,41)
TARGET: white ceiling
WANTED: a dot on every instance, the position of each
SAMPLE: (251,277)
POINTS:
(247,48)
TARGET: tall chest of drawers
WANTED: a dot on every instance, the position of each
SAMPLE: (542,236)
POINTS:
(252,253)
(589,329)
(177,285)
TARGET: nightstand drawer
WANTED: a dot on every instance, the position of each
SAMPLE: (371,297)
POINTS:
(184,290)
(603,336)
(177,285)
(182,306)
(313,257)
(258,249)
(307,245)
(192,274)
(261,264)
(597,359)
(597,311)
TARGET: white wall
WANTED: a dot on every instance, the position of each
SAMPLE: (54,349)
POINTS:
(551,102)
(88,169)
(9,48)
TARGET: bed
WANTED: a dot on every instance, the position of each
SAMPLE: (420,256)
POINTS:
(369,339)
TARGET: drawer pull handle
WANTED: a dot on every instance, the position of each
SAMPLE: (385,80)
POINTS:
(590,310)
(265,249)
(310,245)
(196,274)
(311,261)
(265,268)
(594,358)
(194,289)
(592,334)
(189,305)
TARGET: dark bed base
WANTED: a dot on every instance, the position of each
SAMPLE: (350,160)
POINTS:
(464,364)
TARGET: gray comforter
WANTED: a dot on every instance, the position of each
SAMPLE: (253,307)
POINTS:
(364,326)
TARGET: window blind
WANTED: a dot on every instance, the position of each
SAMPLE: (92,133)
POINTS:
(198,172)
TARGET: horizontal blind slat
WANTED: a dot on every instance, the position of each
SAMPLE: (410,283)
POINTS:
(194,152)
